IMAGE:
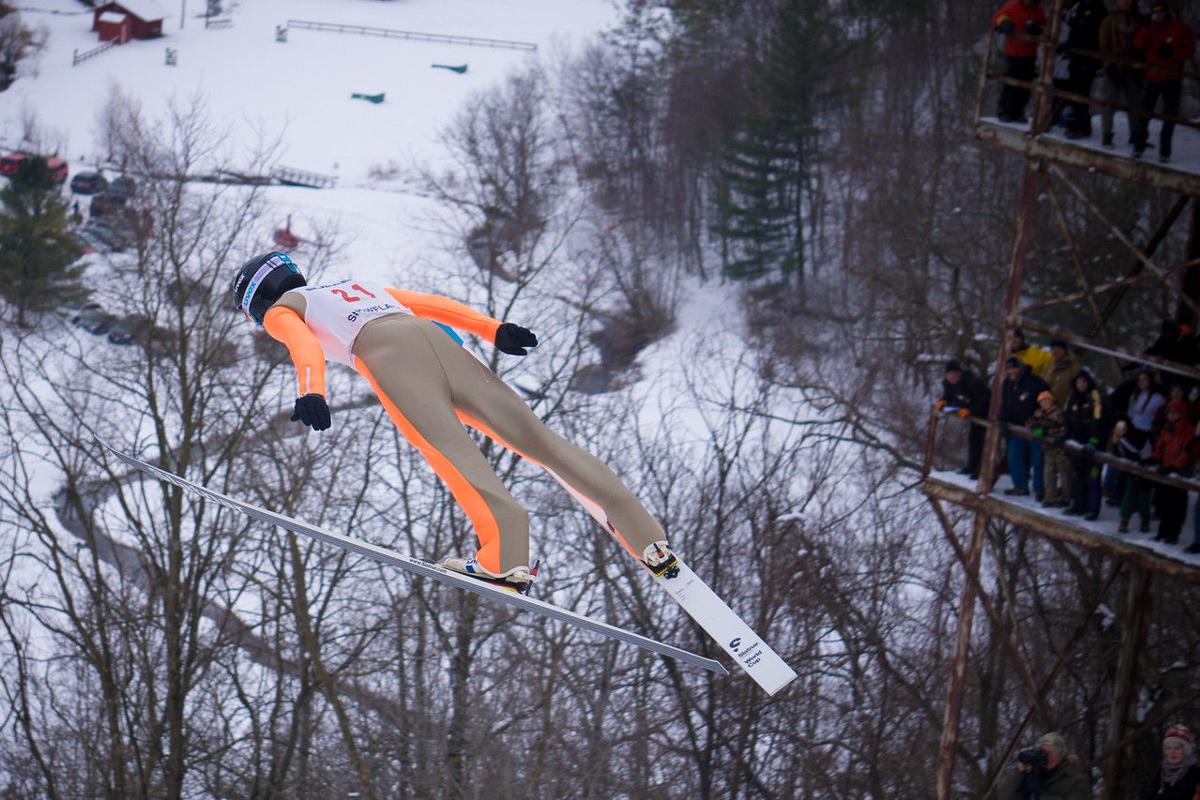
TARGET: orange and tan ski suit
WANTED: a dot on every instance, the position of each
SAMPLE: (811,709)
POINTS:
(430,386)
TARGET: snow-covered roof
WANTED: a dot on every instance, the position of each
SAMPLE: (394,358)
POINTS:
(112,16)
(145,10)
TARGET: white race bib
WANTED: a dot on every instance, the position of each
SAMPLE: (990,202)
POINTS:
(336,312)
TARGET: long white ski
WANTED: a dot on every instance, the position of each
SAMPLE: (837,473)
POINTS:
(424,568)
(709,611)
(726,628)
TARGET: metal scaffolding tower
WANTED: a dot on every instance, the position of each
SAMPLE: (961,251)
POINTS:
(1049,159)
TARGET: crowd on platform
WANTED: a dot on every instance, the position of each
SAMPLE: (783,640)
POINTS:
(1050,771)
(1142,58)
(1150,419)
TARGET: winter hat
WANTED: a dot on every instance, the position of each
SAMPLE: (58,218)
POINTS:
(953,366)
(1045,396)
(1183,736)
(1012,362)
(1058,343)
(1020,334)
(1056,741)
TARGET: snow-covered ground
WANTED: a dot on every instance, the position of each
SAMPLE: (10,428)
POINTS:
(299,92)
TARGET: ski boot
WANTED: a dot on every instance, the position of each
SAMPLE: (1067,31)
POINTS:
(518,579)
(659,559)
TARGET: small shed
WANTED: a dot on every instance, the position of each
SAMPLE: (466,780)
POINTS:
(144,18)
(113,26)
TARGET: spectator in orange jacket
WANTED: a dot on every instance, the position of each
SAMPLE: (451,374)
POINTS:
(1168,43)
(1020,21)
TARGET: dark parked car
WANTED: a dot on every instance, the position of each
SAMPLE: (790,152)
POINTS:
(120,334)
(94,320)
(88,183)
(106,203)
(74,308)
(107,236)
(124,187)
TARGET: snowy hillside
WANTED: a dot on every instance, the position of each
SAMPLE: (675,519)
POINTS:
(297,93)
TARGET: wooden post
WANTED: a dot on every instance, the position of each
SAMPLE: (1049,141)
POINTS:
(1133,639)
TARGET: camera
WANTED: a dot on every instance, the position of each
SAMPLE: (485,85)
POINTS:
(1034,757)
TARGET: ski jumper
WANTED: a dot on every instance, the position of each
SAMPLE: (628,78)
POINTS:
(430,387)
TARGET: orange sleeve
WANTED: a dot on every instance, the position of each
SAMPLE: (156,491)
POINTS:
(285,325)
(447,311)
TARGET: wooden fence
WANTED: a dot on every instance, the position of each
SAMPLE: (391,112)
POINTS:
(79,57)
(388,33)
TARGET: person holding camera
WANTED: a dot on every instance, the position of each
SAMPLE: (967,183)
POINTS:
(1046,772)
(1178,776)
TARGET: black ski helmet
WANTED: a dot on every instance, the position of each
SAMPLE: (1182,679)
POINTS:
(261,281)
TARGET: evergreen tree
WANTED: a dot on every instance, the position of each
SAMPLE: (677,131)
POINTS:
(37,254)
(768,165)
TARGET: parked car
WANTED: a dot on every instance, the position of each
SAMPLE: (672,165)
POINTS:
(88,183)
(96,321)
(105,203)
(104,236)
(11,162)
(120,334)
(123,186)
(75,308)
(58,169)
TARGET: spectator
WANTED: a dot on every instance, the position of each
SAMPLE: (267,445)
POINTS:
(1145,403)
(1135,442)
(1046,772)
(1020,21)
(1168,44)
(1178,775)
(1084,19)
(1173,455)
(1063,366)
(1019,400)
(1176,343)
(969,396)
(1047,423)
(1038,359)
(1136,495)
(1122,81)
(1167,344)
(1085,425)
(1118,404)
(1175,393)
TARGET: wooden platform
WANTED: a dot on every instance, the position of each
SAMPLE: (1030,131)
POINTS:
(1181,174)
(1136,548)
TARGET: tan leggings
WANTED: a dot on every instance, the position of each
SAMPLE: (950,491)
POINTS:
(431,386)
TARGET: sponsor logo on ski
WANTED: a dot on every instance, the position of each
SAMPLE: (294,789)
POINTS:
(749,655)
(736,643)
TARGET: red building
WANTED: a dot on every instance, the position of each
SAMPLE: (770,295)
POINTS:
(123,20)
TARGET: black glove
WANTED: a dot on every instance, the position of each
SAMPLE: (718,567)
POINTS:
(313,411)
(1033,29)
(513,339)
(1005,27)
(1165,51)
